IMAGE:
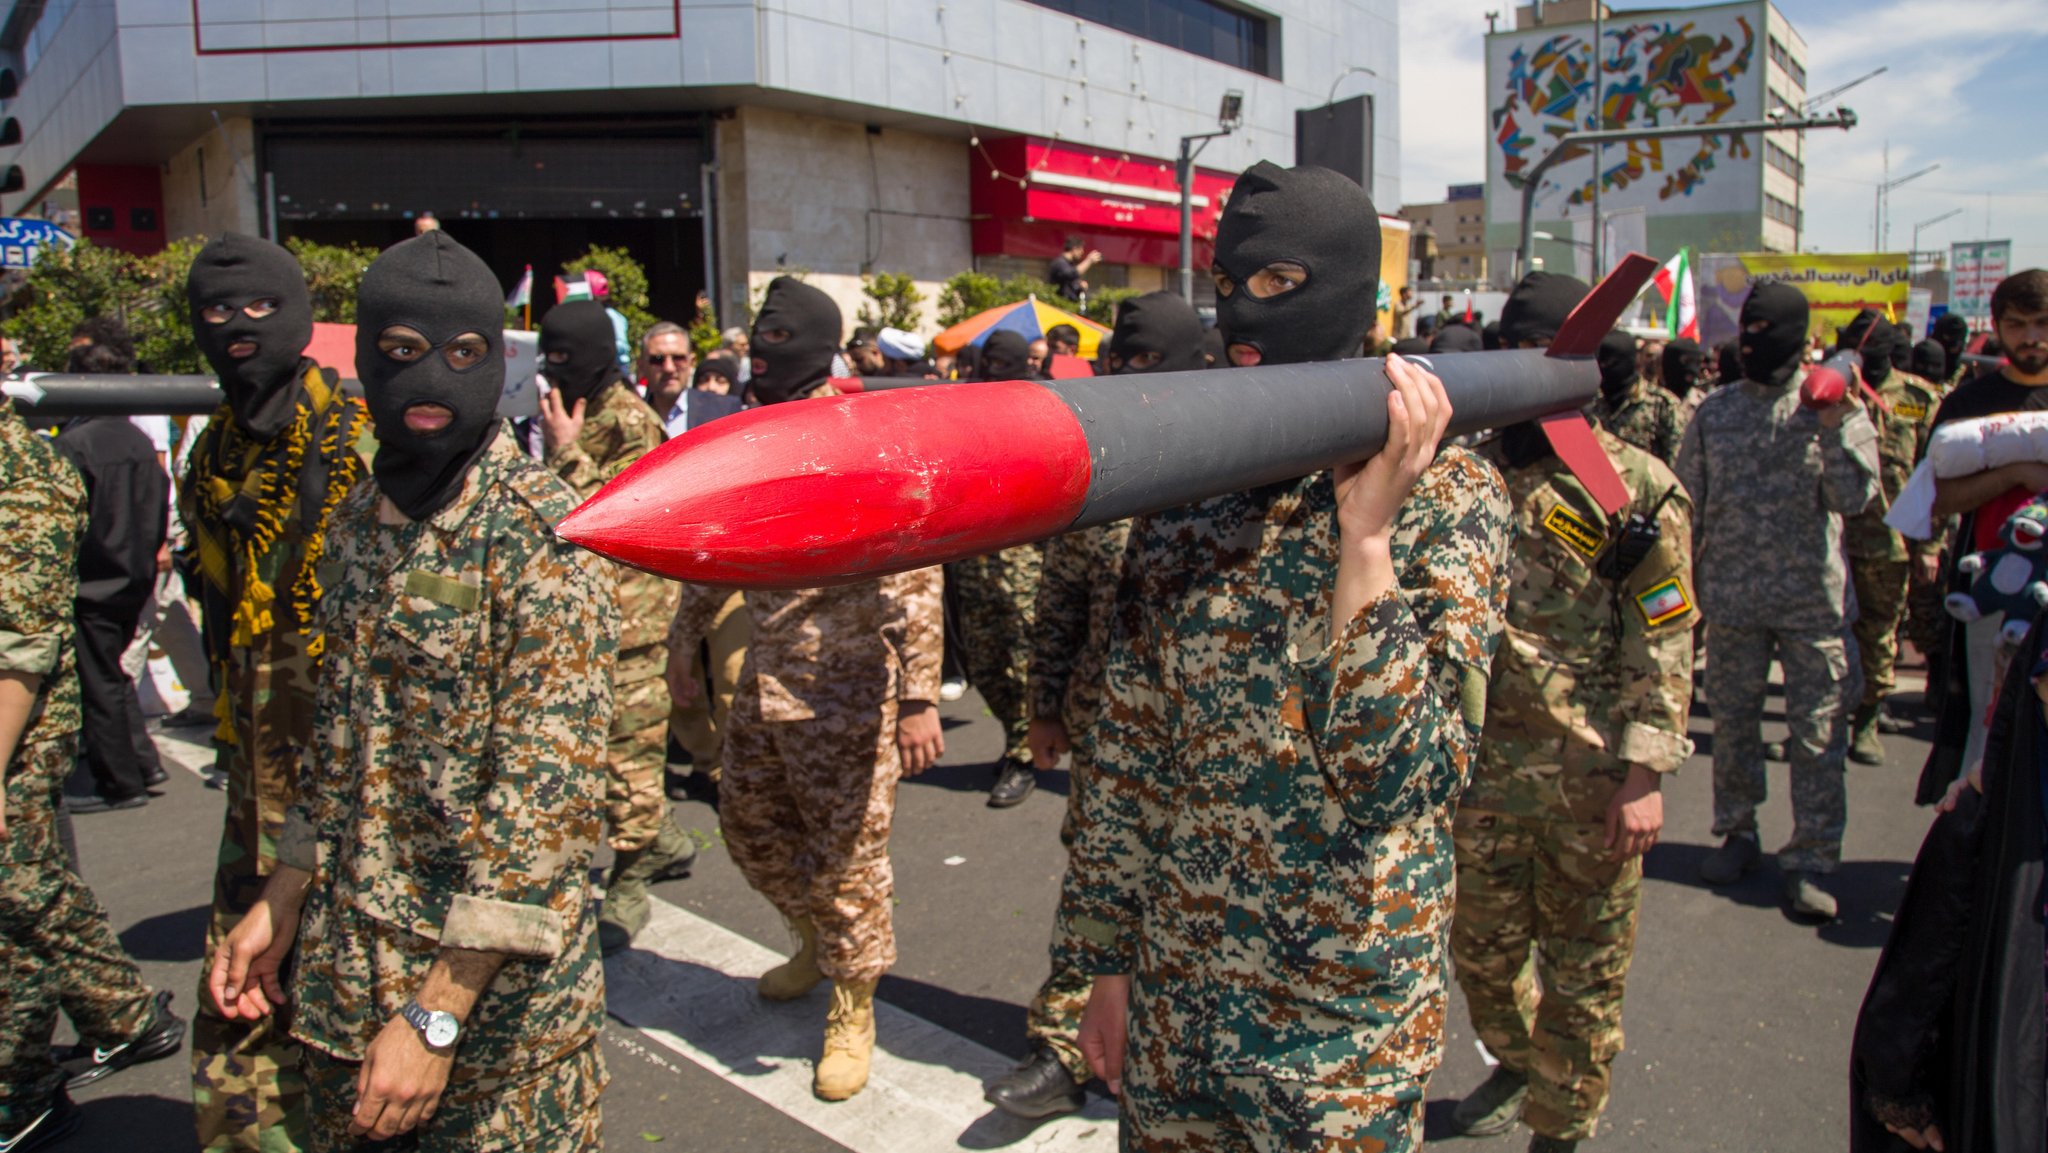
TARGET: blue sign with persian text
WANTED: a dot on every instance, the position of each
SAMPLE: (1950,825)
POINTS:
(23,240)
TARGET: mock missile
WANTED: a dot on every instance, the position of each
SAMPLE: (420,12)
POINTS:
(846,488)
(74,394)
(1829,381)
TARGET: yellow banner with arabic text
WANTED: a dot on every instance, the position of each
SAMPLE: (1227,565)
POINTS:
(1836,286)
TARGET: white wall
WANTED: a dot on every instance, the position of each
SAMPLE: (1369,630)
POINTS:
(209,186)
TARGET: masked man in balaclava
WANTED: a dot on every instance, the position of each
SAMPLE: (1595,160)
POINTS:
(263,480)
(1683,362)
(1073,617)
(1585,712)
(594,427)
(1927,621)
(838,701)
(996,592)
(1771,483)
(1638,411)
(1261,879)
(434,867)
(1952,332)
(1880,560)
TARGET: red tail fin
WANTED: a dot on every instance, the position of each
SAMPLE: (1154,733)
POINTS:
(1595,316)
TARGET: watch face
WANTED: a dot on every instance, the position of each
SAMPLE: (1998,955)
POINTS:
(441,1030)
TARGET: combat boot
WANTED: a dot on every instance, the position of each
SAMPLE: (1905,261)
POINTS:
(1494,1107)
(849,1042)
(1865,748)
(1805,897)
(1737,855)
(798,975)
(627,903)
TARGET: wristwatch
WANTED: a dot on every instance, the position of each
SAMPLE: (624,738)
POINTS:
(439,1030)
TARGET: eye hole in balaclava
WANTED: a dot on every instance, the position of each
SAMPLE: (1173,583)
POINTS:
(429,350)
(579,350)
(1774,320)
(795,336)
(1157,332)
(1870,335)
(1617,360)
(252,319)
(1297,266)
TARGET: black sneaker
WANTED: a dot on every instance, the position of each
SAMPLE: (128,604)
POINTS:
(1014,781)
(98,803)
(190,718)
(155,778)
(40,1129)
(85,1063)
(1040,1087)
(1542,1144)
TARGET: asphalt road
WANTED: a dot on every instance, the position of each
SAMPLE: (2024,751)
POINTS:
(1738,1017)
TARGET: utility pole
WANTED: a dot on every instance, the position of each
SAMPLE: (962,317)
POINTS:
(1228,116)
(1884,201)
(1599,124)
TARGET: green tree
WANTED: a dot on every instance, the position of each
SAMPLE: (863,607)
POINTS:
(628,286)
(1102,304)
(892,301)
(972,292)
(333,273)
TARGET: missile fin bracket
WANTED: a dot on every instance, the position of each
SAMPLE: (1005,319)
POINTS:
(1596,315)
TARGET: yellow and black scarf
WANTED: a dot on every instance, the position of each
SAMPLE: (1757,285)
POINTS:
(249,505)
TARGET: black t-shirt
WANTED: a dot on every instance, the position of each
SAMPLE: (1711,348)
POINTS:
(1065,277)
(1988,395)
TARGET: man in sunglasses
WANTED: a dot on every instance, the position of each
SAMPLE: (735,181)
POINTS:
(668,365)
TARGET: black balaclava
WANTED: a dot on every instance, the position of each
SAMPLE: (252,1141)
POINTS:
(1930,360)
(1617,360)
(440,290)
(1538,306)
(1682,362)
(1003,357)
(724,366)
(1213,350)
(1158,322)
(1952,332)
(1902,347)
(1489,337)
(1869,334)
(582,330)
(1315,218)
(787,370)
(235,270)
(1771,357)
(1456,338)
(1728,361)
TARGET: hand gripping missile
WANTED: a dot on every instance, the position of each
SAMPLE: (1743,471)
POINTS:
(71,394)
(846,488)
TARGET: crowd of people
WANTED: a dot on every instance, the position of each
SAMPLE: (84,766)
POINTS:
(1332,742)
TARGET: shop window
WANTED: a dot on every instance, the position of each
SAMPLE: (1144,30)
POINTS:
(1206,28)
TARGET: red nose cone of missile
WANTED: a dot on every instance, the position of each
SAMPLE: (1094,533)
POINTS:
(1824,388)
(829,491)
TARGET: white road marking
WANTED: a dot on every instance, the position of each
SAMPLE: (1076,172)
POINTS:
(688,983)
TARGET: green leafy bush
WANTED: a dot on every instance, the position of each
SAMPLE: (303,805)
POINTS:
(892,301)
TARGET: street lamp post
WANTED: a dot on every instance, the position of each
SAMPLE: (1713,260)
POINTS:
(1925,224)
(1884,204)
(1229,115)
(1843,118)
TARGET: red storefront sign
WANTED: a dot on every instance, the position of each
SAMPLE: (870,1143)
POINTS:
(1029,193)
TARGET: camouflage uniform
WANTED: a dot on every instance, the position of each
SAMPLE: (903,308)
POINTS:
(448,801)
(1591,678)
(1770,488)
(49,919)
(618,429)
(997,592)
(1071,628)
(1647,416)
(247,1089)
(811,764)
(709,623)
(1880,560)
(1266,849)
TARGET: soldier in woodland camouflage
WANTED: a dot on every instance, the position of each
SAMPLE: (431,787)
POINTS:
(594,427)
(1585,711)
(1771,482)
(434,869)
(837,702)
(256,498)
(1880,560)
(54,936)
(1156,332)
(1641,412)
(1261,880)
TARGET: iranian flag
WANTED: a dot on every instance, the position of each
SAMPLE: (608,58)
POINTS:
(1682,312)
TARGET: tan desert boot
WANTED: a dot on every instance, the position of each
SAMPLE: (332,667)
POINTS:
(798,975)
(849,1042)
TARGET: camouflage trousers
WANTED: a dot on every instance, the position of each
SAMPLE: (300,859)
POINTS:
(700,726)
(635,802)
(806,808)
(56,946)
(1880,610)
(1821,677)
(552,1110)
(1548,887)
(997,594)
(1054,1018)
(1191,1110)
(248,1093)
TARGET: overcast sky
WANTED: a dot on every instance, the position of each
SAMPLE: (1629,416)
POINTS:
(1968,89)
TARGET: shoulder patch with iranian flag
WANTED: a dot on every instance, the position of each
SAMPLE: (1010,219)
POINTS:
(1664,602)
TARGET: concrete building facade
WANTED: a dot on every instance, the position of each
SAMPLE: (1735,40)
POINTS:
(722,141)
